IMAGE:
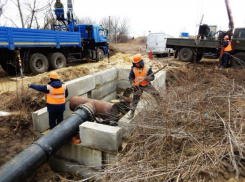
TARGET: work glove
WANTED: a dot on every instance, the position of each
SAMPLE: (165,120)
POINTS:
(147,79)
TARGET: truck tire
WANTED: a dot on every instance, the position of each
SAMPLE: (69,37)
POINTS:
(238,60)
(185,54)
(57,60)
(100,55)
(38,63)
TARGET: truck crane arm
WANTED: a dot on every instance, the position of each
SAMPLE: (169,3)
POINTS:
(231,22)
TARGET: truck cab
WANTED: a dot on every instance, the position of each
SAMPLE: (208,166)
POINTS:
(238,48)
(238,40)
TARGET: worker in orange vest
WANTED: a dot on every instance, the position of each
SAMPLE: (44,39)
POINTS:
(139,72)
(56,92)
(227,51)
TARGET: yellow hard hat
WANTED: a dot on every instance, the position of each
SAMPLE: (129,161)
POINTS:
(137,58)
(53,75)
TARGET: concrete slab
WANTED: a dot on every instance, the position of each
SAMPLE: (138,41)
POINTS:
(109,97)
(123,84)
(109,159)
(126,124)
(102,91)
(82,155)
(123,73)
(40,120)
(80,86)
(105,76)
(160,81)
(59,164)
(100,137)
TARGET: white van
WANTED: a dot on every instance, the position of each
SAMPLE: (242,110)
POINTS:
(156,43)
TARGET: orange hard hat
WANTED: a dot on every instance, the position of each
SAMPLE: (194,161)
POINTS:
(226,37)
(137,58)
(53,75)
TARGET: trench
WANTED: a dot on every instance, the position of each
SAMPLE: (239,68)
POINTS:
(96,144)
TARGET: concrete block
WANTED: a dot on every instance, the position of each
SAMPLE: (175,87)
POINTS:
(40,119)
(82,155)
(109,97)
(123,84)
(59,164)
(123,74)
(100,137)
(108,158)
(160,81)
(80,86)
(67,112)
(105,76)
(125,124)
(102,91)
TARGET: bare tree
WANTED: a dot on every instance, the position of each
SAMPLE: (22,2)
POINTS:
(30,11)
(2,4)
(118,28)
(86,20)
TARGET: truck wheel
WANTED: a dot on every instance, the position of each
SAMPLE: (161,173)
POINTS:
(57,60)
(238,60)
(185,54)
(38,63)
(100,55)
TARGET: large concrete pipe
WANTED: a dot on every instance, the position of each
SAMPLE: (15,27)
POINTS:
(30,159)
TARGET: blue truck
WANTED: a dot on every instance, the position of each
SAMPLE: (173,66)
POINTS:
(43,50)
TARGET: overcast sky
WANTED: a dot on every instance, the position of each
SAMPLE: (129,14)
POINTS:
(168,16)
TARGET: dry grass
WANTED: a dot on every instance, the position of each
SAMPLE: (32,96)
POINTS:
(196,135)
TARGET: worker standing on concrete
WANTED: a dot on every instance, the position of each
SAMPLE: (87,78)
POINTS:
(139,72)
(58,4)
(56,92)
(227,52)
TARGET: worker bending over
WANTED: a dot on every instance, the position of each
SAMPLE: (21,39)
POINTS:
(227,52)
(139,72)
(56,92)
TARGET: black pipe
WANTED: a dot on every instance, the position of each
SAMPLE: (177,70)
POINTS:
(30,159)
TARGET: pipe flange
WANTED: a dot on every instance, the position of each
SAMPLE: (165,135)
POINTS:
(88,110)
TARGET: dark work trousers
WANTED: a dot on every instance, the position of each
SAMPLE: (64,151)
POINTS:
(225,58)
(138,92)
(55,118)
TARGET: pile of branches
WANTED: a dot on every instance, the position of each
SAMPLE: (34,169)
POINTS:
(196,134)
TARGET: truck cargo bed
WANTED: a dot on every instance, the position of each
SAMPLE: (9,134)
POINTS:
(173,42)
(12,38)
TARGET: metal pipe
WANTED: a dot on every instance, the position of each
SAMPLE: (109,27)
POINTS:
(30,159)
(102,109)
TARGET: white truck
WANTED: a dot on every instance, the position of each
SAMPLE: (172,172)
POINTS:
(156,43)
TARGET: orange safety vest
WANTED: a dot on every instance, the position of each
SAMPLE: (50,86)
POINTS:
(140,76)
(228,48)
(56,95)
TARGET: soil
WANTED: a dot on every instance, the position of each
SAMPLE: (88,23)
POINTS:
(16,131)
